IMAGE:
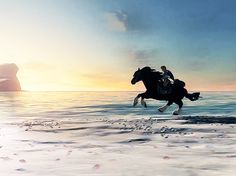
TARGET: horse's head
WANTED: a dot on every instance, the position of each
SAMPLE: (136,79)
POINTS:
(137,76)
(140,74)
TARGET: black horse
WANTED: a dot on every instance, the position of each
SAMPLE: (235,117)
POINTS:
(152,81)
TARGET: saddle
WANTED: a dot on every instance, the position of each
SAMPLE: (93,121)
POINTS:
(166,89)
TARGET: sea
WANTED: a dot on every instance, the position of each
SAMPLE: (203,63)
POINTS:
(102,134)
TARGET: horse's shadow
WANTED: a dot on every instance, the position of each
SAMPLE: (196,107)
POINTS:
(208,119)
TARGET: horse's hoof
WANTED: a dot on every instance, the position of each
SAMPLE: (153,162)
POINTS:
(144,103)
(135,101)
(177,112)
(162,109)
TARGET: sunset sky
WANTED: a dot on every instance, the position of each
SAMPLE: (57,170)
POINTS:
(75,45)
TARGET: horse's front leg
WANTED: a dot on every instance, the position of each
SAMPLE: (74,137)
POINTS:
(142,96)
(135,101)
(143,102)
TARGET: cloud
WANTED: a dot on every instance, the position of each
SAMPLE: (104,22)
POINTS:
(117,21)
(142,56)
(122,21)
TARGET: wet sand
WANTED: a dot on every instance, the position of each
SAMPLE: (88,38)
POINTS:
(184,145)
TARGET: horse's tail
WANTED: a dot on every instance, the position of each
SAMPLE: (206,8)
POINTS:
(193,97)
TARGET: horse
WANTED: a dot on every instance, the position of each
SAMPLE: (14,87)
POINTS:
(152,80)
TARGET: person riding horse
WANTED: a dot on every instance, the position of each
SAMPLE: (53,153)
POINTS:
(152,82)
(167,76)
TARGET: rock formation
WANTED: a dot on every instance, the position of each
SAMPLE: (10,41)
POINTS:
(8,78)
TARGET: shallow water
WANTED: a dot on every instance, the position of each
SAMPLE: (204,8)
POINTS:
(100,133)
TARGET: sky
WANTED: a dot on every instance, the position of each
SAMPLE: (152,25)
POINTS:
(89,45)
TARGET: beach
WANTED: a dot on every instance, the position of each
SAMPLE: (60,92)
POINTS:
(101,133)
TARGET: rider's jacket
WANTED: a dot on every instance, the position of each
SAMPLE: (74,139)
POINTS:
(167,74)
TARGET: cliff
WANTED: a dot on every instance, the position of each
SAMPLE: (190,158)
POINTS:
(8,78)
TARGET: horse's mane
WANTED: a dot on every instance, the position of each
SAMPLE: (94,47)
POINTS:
(148,69)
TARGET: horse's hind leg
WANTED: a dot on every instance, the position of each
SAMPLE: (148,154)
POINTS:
(163,108)
(180,104)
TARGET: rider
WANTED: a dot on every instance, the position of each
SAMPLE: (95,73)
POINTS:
(167,76)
